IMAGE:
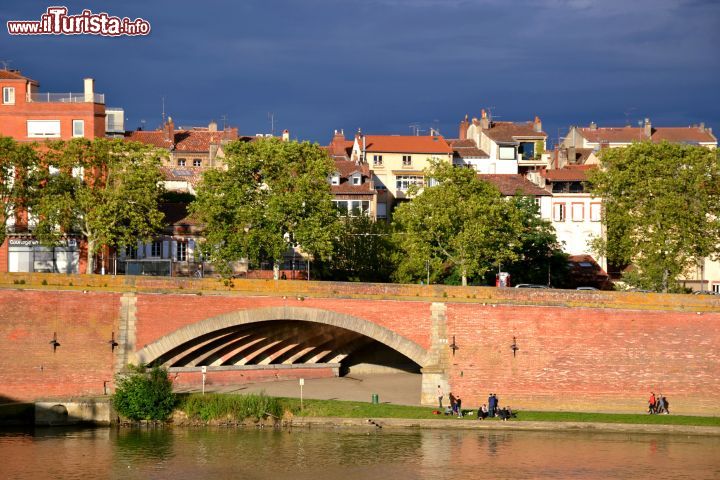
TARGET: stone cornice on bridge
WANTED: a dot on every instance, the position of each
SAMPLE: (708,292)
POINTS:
(378,291)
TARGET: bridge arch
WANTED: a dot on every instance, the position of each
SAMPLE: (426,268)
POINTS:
(173,344)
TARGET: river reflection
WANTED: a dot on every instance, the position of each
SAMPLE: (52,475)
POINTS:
(351,454)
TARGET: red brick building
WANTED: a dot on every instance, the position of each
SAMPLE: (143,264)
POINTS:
(27,115)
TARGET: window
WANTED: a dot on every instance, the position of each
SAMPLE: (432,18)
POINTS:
(8,95)
(197,162)
(595,212)
(156,249)
(181,162)
(377,160)
(407,160)
(716,288)
(527,150)
(578,212)
(381,210)
(335,179)
(181,252)
(43,128)
(352,208)
(402,182)
(507,153)
(131,253)
(78,128)
(559,212)
(356,180)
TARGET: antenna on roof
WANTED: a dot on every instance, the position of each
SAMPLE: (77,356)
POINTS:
(224,119)
(271,117)
(415,128)
(163,110)
(5,63)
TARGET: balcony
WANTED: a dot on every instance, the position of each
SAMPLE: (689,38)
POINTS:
(66,97)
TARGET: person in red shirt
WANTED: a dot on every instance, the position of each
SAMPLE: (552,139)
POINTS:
(651,403)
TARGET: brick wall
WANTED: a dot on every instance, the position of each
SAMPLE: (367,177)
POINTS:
(586,359)
(84,324)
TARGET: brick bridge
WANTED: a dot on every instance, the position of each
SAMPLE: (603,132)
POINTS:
(590,351)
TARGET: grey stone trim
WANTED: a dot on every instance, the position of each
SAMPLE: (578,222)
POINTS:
(126,332)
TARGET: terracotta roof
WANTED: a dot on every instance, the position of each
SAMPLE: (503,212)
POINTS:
(510,131)
(192,175)
(637,134)
(346,168)
(14,75)
(467,149)
(406,144)
(184,140)
(571,173)
(510,185)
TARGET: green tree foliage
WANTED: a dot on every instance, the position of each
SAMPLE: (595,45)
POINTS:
(662,210)
(541,259)
(144,395)
(18,162)
(462,223)
(363,251)
(107,190)
(273,195)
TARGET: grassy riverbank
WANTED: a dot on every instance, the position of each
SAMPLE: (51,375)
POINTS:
(240,407)
(343,409)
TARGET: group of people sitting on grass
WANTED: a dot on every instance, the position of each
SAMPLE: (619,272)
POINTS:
(490,410)
(658,405)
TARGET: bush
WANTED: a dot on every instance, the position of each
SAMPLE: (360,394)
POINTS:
(238,407)
(144,395)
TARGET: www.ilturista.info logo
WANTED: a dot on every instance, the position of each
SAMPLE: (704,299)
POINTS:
(56,21)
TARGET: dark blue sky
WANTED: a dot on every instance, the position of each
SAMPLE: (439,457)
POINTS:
(385,64)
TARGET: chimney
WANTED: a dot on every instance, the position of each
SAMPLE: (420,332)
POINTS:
(170,131)
(562,157)
(337,145)
(89,85)
(572,155)
(647,128)
(464,124)
(484,120)
(702,126)
(286,135)
(537,124)
(593,126)
(212,126)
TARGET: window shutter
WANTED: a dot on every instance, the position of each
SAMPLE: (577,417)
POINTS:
(165,249)
(173,246)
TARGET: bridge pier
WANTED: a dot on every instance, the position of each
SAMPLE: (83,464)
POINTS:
(435,372)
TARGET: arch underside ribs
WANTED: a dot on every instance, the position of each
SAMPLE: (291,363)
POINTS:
(274,336)
(276,342)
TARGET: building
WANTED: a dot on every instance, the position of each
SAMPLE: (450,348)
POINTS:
(396,163)
(190,151)
(595,137)
(351,183)
(583,144)
(511,147)
(28,115)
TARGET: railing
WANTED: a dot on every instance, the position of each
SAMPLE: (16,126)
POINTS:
(66,97)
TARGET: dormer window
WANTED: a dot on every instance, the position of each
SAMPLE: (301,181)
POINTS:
(335,179)
(357,179)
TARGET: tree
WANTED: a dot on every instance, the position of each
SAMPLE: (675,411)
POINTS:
(144,395)
(17,182)
(461,222)
(106,190)
(272,196)
(541,259)
(363,251)
(661,210)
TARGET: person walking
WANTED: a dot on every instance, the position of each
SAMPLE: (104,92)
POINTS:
(440,395)
(458,403)
(651,403)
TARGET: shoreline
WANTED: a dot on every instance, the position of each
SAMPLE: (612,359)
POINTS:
(585,427)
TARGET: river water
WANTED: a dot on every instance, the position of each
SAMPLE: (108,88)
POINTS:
(345,454)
